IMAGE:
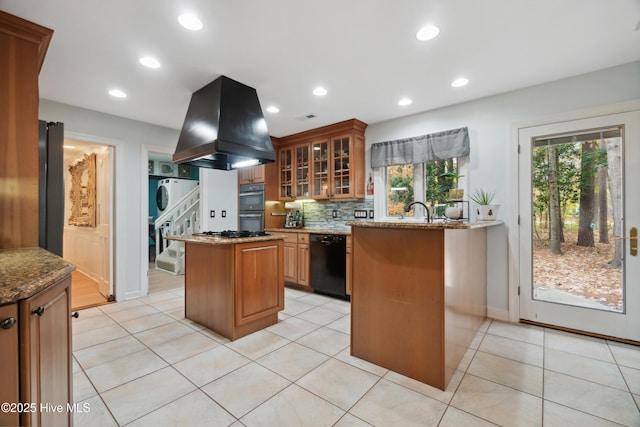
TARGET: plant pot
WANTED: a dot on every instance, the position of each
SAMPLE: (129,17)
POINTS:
(456,194)
(487,212)
(453,212)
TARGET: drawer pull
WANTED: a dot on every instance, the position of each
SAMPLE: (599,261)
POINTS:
(8,323)
(75,315)
(39,311)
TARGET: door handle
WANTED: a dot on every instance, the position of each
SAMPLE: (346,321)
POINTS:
(633,241)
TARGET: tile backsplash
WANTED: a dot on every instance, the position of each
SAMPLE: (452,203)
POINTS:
(320,214)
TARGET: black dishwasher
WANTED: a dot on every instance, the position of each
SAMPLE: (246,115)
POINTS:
(328,264)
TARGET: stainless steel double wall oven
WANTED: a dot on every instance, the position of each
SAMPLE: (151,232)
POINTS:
(251,207)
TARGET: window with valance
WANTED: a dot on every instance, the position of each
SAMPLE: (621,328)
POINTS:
(421,168)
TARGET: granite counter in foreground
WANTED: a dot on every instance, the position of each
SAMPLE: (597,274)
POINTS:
(27,271)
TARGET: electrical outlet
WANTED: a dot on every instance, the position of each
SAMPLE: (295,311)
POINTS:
(224,214)
(212,214)
(360,213)
(370,213)
(334,214)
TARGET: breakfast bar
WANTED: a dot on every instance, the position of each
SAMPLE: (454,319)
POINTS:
(233,286)
(418,295)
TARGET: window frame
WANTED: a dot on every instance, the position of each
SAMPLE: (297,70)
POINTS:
(380,197)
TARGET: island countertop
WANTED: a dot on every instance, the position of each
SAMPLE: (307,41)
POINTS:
(425,225)
(212,240)
(27,271)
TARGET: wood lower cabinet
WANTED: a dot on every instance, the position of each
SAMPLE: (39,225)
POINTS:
(349,268)
(296,258)
(35,358)
(303,259)
(45,354)
(234,289)
(9,362)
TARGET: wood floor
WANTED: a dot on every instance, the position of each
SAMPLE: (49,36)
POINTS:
(84,292)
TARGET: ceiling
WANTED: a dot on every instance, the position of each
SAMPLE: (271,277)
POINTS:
(364,52)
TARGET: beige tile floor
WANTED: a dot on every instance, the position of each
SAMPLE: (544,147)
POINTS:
(141,363)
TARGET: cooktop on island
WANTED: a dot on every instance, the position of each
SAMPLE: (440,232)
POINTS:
(232,234)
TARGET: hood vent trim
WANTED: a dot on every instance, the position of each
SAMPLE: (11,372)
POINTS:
(224,125)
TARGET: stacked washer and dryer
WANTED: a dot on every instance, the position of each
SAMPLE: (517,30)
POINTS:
(171,190)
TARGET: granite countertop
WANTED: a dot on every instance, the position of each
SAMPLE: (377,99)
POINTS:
(425,225)
(345,232)
(26,271)
(212,240)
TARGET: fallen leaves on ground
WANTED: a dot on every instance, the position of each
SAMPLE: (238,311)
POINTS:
(579,270)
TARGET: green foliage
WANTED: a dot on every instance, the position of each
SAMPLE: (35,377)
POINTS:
(482,197)
(569,163)
(399,177)
(440,177)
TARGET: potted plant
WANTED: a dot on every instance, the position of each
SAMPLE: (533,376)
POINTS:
(485,211)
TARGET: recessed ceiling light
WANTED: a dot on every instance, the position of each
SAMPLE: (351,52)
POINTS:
(273,109)
(117,93)
(319,91)
(190,22)
(150,62)
(459,82)
(428,32)
(405,101)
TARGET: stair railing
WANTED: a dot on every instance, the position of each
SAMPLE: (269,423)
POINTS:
(182,219)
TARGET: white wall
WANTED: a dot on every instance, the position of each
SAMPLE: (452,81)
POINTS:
(489,121)
(218,192)
(126,136)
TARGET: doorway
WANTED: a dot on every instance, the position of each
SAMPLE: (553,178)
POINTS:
(88,213)
(576,215)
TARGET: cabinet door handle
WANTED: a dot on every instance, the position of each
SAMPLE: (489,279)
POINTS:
(75,315)
(8,323)
(39,311)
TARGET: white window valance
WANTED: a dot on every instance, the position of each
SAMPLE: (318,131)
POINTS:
(421,149)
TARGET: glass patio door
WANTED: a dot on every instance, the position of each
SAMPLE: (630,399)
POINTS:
(578,206)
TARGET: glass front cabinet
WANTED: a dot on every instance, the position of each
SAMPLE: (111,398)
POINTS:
(327,163)
(285,167)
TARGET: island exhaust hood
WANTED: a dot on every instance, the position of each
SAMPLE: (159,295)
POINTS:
(224,128)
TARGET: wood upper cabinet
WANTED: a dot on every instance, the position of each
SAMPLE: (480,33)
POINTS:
(9,362)
(252,175)
(328,162)
(285,171)
(302,170)
(321,172)
(23,45)
(45,354)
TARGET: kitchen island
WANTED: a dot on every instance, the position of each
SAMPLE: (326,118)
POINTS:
(233,286)
(418,295)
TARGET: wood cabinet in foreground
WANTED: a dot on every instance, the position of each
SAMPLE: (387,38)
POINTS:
(35,358)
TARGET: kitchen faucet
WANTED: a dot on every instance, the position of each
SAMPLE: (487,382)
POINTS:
(426,208)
